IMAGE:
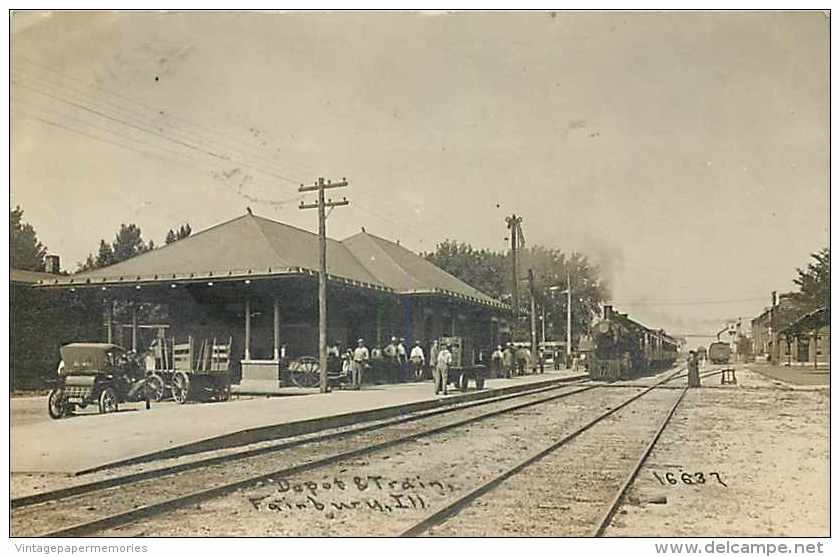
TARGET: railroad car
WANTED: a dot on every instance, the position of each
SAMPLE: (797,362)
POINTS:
(620,348)
(719,352)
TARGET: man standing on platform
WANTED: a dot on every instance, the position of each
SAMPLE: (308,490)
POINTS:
(361,356)
(508,360)
(402,360)
(391,361)
(433,354)
(418,360)
(496,362)
(444,360)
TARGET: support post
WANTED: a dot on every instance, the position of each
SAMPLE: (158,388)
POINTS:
(134,327)
(276,330)
(379,309)
(109,321)
(247,328)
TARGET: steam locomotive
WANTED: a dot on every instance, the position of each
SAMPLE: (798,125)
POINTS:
(620,348)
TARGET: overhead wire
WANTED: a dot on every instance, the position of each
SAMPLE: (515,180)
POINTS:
(208,136)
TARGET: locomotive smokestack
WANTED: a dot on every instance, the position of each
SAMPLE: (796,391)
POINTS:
(607,312)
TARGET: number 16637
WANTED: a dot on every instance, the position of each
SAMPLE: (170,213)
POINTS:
(689,478)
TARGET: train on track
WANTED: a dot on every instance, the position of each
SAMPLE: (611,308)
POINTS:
(620,348)
(719,352)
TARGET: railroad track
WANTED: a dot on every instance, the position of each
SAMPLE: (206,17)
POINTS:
(442,515)
(147,494)
(41,509)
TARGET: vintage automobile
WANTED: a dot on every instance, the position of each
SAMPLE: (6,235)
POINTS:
(102,374)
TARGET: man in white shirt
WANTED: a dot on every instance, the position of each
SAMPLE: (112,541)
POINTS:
(444,360)
(360,361)
(418,360)
(402,360)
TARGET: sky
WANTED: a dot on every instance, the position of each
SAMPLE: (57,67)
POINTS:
(686,153)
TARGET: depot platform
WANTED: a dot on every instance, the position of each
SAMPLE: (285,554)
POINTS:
(90,441)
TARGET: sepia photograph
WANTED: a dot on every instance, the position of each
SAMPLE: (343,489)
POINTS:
(457,274)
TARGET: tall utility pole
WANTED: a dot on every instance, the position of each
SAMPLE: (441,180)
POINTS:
(543,322)
(568,319)
(514,224)
(321,205)
(533,316)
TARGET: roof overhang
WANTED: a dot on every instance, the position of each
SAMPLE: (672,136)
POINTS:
(73,282)
(441,292)
(811,321)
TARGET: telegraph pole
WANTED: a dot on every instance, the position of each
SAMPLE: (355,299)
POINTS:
(321,205)
(514,225)
(533,317)
(568,319)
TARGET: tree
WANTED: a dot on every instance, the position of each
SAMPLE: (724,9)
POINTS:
(25,251)
(814,281)
(489,272)
(127,243)
(182,232)
(481,269)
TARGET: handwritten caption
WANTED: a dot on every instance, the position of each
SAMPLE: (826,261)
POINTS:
(689,478)
(367,493)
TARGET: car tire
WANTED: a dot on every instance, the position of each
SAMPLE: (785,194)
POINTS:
(108,401)
(156,387)
(57,404)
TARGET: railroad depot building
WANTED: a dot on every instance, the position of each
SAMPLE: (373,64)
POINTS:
(254,282)
(782,335)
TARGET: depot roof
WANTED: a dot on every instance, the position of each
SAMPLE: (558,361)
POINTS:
(21,276)
(252,246)
(811,321)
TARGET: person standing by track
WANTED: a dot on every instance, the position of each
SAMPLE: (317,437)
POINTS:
(508,361)
(402,360)
(361,356)
(418,360)
(693,370)
(496,362)
(444,360)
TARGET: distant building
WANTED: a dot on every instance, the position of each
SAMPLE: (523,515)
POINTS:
(777,340)
(807,341)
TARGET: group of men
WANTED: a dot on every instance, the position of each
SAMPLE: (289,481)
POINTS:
(398,366)
(511,361)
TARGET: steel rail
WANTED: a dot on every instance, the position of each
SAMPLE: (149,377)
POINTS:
(127,517)
(63,493)
(619,497)
(454,507)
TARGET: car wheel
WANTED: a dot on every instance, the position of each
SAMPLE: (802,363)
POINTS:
(57,404)
(479,382)
(108,401)
(154,384)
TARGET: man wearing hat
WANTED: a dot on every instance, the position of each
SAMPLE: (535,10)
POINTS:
(392,365)
(418,360)
(361,356)
(444,360)
(402,361)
